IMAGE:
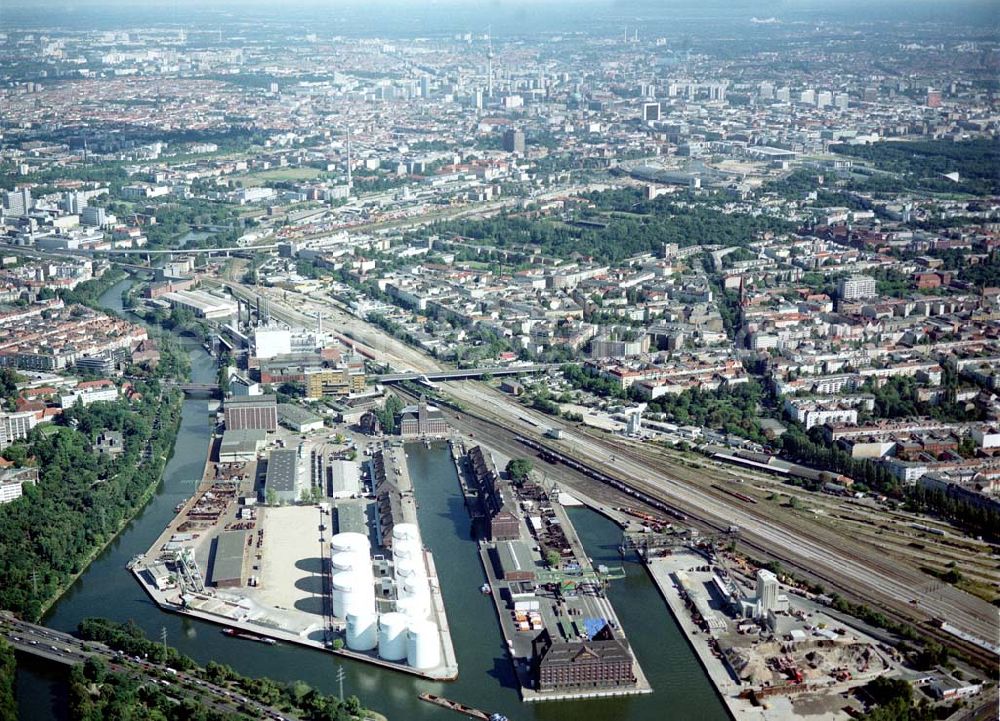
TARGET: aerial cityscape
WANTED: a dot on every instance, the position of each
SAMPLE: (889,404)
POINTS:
(417,360)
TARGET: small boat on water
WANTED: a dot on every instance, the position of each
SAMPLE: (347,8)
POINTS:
(234,633)
(485,589)
(179,507)
(461,708)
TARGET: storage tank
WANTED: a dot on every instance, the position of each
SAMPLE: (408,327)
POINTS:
(407,568)
(413,607)
(362,631)
(350,561)
(392,636)
(352,593)
(423,646)
(414,587)
(405,532)
(350,541)
(406,549)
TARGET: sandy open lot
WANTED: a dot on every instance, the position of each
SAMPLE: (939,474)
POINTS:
(294,560)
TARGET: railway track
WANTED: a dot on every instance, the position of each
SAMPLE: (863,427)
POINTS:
(618,489)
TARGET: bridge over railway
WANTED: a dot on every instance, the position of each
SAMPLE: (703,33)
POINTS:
(466,373)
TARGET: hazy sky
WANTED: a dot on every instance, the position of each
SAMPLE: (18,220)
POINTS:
(448,14)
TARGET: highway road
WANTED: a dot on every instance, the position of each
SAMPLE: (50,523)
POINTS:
(62,648)
(858,570)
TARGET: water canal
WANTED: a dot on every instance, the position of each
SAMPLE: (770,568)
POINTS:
(681,689)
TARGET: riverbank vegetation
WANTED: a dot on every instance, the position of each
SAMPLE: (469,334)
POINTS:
(297,697)
(8,667)
(82,498)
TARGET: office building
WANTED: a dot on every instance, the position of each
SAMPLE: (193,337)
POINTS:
(17,202)
(933,98)
(513,141)
(94,216)
(422,420)
(15,426)
(12,481)
(856,287)
(650,112)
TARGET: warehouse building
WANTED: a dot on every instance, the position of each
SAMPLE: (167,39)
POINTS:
(252,412)
(298,418)
(241,446)
(345,479)
(496,506)
(512,561)
(601,662)
(281,485)
(228,549)
(201,304)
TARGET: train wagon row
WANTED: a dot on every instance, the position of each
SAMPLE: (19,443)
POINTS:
(555,457)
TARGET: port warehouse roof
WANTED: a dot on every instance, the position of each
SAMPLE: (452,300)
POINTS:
(513,560)
(346,478)
(242,442)
(352,517)
(281,471)
(227,561)
(297,418)
(263,401)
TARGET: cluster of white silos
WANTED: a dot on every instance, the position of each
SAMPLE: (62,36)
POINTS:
(407,633)
(404,635)
(354,589)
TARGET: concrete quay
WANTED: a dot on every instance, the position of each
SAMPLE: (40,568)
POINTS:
(554,609)
(245,612)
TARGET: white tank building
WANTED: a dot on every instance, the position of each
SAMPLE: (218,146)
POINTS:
(406,549)
(353,581)
(414,608)
(349,561)
(353,592)
(405,532)
(351,542)
(423,645)
(392,636)
(362,631)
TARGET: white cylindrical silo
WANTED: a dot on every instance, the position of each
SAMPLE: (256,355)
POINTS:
(344,584)
(407,548)
(423,646)
(405,532)
(392,636)
(349,561)
(362,631)
(407,568)
(350,541)
(413,607)
(414,587)
(352,593)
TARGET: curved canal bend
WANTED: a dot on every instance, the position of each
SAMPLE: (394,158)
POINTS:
(681,689)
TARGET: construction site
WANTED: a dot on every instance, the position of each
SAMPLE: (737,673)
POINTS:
(769,651)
